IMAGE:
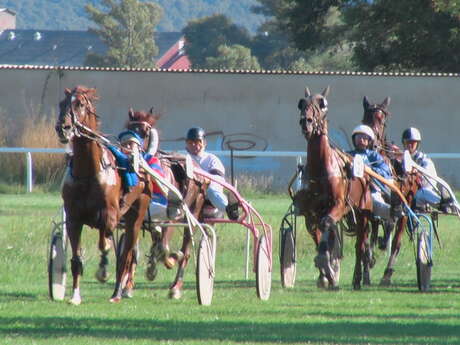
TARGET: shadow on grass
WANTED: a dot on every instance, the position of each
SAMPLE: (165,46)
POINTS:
(341,331)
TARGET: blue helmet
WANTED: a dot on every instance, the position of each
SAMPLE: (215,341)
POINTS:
(128,135)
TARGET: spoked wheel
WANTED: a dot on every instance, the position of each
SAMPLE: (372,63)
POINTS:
(424,261)
(57,269)
(288,260)
(424,251)
(263,271)
(205,271)
(288,249)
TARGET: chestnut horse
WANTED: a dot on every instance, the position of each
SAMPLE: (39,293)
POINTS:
(92,188)
(193,191)
(330,194)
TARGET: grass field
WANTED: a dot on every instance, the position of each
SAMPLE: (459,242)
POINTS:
(302,315)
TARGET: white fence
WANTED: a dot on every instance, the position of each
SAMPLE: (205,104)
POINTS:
(284,154)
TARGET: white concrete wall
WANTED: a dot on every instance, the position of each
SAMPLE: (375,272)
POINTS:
(263,105)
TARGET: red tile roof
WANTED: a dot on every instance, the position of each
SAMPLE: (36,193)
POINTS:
(175,57)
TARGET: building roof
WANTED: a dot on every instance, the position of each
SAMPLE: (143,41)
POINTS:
(63,48)
(7,10)
(174,57)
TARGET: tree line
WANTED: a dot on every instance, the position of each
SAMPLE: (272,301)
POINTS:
(354,35)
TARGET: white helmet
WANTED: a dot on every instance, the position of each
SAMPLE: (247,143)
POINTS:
(411,133)
(363,129)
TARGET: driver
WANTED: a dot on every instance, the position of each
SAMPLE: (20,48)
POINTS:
(362,138)
(428,193)
(195,144)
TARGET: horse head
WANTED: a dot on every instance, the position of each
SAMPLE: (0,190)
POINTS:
(141,121)
(375,116)
(76,111)
(313,111)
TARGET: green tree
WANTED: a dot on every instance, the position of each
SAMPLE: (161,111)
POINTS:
(233,57)
(204,36)
(277,46)
(127,29)
(407,35)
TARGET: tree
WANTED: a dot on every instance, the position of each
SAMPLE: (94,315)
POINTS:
(127,29)
(204,36)
(276,45)
(383,35)
(233,57)
(387,38)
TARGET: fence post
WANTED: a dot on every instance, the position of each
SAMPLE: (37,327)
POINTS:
(28,172)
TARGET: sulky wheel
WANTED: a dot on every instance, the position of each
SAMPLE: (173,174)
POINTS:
(424,261)
(288,248)
(205,271)
(57,269)
(288,259)
(263,271)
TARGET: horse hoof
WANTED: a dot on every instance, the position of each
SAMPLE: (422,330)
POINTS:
(171,260)
(385,282)
(175,293)
(75,301)
(356,287)
(115,299)
(102,275)
(127,293)
(322,283)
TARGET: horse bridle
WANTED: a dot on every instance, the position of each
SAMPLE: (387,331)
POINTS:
(78,129)
(317,122)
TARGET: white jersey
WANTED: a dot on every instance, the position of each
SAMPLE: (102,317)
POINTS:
(422,159)
(211,163)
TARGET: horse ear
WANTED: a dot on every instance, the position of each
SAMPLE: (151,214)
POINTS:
(131,114)
(307,92)
(385,103)
(366,103)
(302,104)
(325,92)
(67,91)
(151,110)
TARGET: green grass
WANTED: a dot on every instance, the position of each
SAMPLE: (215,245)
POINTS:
(375,315)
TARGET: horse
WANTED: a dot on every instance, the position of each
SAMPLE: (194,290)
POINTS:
(91,191)
(376,116)
(193,191)
(330,194)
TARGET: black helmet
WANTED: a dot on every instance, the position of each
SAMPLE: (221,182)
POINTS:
(195,133)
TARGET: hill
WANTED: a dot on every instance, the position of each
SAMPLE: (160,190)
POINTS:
(71,15)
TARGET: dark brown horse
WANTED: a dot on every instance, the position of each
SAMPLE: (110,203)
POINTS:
(376,116)
(330,194)
(193,191)
(92,189)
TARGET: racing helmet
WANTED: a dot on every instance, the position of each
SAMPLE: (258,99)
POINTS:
(363,129)
(195,133)
(411,133)
(130,136)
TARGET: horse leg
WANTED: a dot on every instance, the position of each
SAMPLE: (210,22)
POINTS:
(325,248)
(395,248)
(362,230)
(175,290)
(102,274)
(126,263)
(76,263)
(368,257)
